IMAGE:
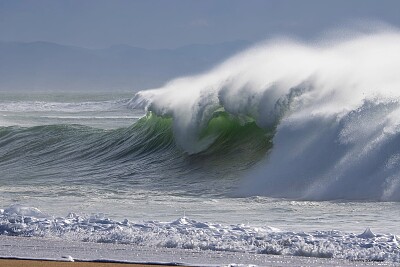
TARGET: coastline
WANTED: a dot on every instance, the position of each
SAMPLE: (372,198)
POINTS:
(44,252)
(51,263)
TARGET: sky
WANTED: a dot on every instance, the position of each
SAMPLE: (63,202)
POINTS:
(174,23)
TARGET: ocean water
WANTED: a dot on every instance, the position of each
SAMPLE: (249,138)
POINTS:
(287,148)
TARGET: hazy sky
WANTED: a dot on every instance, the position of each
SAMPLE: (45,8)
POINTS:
(173,23)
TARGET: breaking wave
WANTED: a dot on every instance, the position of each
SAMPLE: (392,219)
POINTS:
(149,134)
(331,109)
(320,121)
(142,155)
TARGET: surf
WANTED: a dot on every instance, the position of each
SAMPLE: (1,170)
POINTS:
(331,106)
(143,155)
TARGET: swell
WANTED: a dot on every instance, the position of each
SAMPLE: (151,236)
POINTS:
(330,108)
(144,154)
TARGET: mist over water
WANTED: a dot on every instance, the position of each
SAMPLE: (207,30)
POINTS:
(331,106)
(234,149)
(172,138)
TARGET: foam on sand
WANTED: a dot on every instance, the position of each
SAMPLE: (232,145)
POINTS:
(185,233)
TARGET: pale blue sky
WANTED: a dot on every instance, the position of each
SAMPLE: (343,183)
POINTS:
(174,23)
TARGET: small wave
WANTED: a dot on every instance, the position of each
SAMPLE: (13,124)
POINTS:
(90,117)
(71,107)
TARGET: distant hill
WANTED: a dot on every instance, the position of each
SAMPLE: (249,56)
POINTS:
(49,66)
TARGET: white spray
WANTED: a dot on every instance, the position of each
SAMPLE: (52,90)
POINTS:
(335,105)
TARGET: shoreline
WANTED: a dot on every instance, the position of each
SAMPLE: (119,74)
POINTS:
(44,252)
(24,262)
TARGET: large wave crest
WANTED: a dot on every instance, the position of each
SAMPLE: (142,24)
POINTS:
(333,106)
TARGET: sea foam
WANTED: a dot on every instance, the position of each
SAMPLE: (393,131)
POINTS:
(185,233)
(333,104)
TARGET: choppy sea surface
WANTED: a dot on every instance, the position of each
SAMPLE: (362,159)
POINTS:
(286,149)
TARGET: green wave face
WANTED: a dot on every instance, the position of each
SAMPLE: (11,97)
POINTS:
(139,155)
(234,136)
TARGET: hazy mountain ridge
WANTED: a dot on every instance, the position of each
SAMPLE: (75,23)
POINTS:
(48,66)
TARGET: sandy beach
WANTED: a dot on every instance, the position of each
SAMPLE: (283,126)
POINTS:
(32,252)
(42,263)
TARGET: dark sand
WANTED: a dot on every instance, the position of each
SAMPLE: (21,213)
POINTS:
(41,263)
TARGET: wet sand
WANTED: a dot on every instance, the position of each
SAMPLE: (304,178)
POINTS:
(14,251)
(47,263)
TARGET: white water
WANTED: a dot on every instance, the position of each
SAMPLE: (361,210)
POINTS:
(184,233)
(336,108)
(335,105)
